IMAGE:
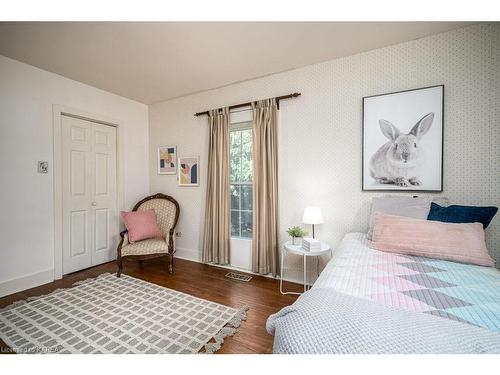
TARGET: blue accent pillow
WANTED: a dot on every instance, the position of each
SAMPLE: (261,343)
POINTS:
(462,214)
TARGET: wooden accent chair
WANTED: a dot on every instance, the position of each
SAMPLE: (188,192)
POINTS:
(167,213)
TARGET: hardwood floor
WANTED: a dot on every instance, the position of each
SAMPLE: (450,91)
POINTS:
(200,280)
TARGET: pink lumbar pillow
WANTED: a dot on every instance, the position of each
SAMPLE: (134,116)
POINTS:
(457,242)
(141,225)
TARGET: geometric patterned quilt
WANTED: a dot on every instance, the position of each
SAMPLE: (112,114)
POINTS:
(461,292)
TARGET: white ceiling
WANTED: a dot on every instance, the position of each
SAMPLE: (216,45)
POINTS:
(155,61)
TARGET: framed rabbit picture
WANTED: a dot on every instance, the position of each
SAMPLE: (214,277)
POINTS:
(403,140)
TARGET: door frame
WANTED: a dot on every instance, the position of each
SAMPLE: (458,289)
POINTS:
(59,111)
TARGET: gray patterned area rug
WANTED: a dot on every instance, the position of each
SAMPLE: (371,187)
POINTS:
(117,315)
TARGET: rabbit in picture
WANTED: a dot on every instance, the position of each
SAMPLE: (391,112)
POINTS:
(396,162)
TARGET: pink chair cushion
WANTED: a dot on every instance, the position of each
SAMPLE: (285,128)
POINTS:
(141,225)
(457,242)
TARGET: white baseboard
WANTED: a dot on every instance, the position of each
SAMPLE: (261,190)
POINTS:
(188,254)
(26,282)
(195,256)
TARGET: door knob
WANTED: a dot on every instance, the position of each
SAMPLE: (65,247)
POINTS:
(94,203)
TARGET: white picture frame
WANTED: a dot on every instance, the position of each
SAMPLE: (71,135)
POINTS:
(188,171)
(167,155)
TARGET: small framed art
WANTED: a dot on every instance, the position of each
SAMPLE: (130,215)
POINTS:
(189,171)
(167,157)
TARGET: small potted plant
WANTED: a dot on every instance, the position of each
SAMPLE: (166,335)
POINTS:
(296,233)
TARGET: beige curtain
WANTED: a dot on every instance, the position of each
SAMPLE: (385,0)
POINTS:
(265,252)
(217,232)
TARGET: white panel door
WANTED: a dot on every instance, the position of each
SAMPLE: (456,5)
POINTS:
(104,210)
(90,224)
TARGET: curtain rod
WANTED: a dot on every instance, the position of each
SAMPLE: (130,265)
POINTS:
(278,98)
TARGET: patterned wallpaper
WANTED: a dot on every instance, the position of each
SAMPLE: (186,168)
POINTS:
(320,132)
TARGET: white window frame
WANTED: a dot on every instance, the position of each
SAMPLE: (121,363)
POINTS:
(238,126)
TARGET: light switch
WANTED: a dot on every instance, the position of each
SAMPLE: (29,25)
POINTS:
(43,166)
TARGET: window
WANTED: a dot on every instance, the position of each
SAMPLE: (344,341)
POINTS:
(241,180)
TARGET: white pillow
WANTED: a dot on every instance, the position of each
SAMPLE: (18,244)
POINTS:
(442,201)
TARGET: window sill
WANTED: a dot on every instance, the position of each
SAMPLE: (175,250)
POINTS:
(241,239)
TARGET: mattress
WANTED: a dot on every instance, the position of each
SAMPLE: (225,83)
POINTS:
(456,291)
(370,302)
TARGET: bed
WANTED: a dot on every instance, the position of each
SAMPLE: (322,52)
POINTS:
(367,301)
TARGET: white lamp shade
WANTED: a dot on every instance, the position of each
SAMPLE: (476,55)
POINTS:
(312,215)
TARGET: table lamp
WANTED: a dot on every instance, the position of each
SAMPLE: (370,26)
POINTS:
(312,215)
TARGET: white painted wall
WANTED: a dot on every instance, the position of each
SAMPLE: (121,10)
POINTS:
(320,132)
(27,95)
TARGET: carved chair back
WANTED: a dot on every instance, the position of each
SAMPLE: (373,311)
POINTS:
(166,209)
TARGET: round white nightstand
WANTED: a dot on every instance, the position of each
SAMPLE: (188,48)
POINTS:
(297,249)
